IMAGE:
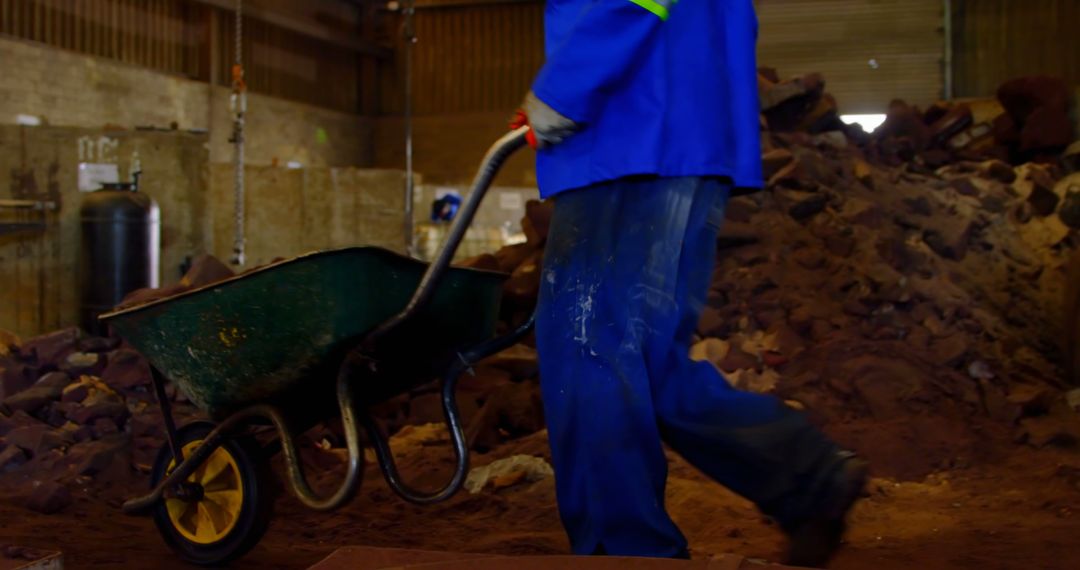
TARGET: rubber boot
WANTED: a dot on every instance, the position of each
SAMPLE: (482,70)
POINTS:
(815,540)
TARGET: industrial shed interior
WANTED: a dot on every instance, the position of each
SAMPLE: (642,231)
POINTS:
(268,272)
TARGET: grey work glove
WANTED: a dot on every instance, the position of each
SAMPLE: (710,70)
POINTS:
(548,126)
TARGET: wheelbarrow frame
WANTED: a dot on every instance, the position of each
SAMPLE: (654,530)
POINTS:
(358,362)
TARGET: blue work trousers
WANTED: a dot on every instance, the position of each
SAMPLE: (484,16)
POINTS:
(626,272)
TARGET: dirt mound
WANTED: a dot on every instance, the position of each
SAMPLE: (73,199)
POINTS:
(905,287)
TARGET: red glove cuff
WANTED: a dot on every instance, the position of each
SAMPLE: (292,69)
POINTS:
(520,120)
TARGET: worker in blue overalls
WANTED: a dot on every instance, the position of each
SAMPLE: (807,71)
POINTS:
(645,116)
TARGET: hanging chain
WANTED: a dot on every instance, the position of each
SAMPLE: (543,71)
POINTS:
(409,31)
(238,102)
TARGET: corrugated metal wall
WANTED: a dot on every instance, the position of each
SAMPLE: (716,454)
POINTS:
(996,40)
(482,57)
(150,33)
(290,65)
(468,57)
(174,36)
(869,51)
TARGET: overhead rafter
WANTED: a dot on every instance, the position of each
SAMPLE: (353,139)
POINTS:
(354,43)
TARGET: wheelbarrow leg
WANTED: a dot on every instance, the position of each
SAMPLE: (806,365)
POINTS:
(464,363)
(158,380)
(297,480)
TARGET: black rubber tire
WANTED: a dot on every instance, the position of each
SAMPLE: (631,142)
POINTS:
(255,511)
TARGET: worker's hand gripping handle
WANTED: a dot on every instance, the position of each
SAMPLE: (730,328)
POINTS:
(493,161)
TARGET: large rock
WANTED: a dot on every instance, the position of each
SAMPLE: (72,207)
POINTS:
(33,398)
(16,420)
(815,168)
(126,369)
(1070,159)
(774,161)
(54,380)
(1030,400)
(1070,207)
(9,342)
(47,497)
(711,350)
(1024,95)
(147,295)
(537,220)
(1058,430)
(513,411)
(11,458)
(81,363)
(524,284)
(951,350)
(863,172)
(950,241)
(511,256)
(16,376)
(86,414)
(204,270)
(1038,106)
(484,261)
(950,124)
(1046,129)
(37,439)
(520,360)
(738,359)
(52,348)
(788,104)
(90,391)
(108,458)
(1000,171)
(1043,200)
(903,122)
(804,205)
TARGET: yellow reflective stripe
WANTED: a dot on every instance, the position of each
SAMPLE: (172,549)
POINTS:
(660,8)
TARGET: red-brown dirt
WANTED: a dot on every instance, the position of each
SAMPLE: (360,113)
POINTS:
(1015,512)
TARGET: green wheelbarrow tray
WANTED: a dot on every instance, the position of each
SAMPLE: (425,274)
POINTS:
(283,343)
(277,334)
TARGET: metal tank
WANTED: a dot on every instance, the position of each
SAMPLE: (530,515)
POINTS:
(121,248)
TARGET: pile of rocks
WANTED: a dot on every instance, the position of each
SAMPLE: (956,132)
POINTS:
(1028,122)
(73,409)
(904,287)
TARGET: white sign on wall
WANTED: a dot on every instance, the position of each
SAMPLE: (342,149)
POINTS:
(93,174)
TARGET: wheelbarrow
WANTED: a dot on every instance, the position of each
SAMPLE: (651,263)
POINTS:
(294,343)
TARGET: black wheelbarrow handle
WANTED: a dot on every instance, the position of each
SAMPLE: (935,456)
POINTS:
(493,161)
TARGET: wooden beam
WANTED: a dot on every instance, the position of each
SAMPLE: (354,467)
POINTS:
(346,41)
(430,4)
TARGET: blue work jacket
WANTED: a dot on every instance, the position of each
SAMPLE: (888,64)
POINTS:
(659,88)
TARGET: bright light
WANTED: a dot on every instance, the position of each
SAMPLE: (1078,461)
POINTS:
(294,164)
(868,122)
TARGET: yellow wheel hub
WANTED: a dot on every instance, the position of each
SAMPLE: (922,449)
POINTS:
(212,517)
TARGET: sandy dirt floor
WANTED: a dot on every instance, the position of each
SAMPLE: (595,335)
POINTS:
(1016,513)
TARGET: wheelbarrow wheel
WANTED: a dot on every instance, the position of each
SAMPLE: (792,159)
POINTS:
(226,504)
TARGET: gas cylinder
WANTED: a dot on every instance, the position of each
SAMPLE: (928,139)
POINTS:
(120,251)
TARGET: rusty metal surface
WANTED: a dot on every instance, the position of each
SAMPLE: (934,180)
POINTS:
(370,558)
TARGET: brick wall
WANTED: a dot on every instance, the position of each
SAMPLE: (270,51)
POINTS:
(70,89)
(287,211)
